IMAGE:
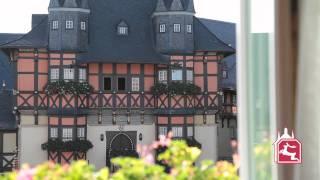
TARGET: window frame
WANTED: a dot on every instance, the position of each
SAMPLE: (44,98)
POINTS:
(164,75)
(81,133)
(224,74)
(189,28)
(83,25)
(187,76)
(55,25)
(172,73)
(68,131)
(123,30)
(162,130)
(104,83)
(174,133)
(125,83)
(162,28)
(135,87)
(81,77)
(54,133)
(57,74)
(176,28)
(69,24)
(66,73)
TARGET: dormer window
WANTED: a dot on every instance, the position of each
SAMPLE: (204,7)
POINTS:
(69,24)
(55,25)
(162,28)
(122,28)
(176,28)
(83,25)
(189,28)
(224,74)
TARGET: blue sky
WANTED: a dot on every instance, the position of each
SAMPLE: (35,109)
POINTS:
(15,15)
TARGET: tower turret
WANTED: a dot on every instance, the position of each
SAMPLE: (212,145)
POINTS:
(173,26)
(68,25)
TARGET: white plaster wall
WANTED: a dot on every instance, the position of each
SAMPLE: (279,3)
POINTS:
(207,136)
(9,142)
(31,138)
(97,155)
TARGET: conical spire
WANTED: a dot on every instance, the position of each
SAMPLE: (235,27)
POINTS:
(54,4)
(84,4)
(176,5)
(161,7)
(70,4)
(190,7)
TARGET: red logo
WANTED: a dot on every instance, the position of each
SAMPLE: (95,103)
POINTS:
(287,149)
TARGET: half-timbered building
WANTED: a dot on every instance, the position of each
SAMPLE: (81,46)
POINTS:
(114,74)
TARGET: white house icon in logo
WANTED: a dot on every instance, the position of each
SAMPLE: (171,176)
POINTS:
(287,149)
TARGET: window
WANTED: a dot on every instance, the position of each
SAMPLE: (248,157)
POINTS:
(68,74)
(107,83)
(81,133)
(176,28)
(162,28)
(234,99)
(69,24)
(177,75)
(53,132)
(67,134)
(121,84)
(163,131)
(189,28)
(189,76)
(163,74)
(54,74)
(55,24)
(135,84)
(82,75)
(123,30)
(177,132)
(190,131)
(224,74)
(83,25)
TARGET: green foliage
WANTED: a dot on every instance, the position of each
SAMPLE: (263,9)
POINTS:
(263,156)
(70,87)
(175,88)
(178,156)
(68,146)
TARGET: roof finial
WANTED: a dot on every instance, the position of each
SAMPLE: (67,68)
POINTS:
(176,5)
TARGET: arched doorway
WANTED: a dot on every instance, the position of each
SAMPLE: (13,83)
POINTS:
(121,144)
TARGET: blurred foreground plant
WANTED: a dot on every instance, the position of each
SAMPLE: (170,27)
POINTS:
(178,156)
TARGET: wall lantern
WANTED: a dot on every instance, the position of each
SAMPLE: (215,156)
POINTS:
(100,117)
(205,117)
(128,117)
(114,117)
(101,137)
(140,137)
(142,116)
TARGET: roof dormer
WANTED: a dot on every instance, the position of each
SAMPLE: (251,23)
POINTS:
(161,7)
(54,4)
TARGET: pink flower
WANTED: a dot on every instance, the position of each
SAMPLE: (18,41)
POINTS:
(26,173)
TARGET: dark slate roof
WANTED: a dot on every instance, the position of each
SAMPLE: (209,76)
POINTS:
(7,120)
(104,43)
(36,38)
(7,69)
(206,40)
(227,33)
